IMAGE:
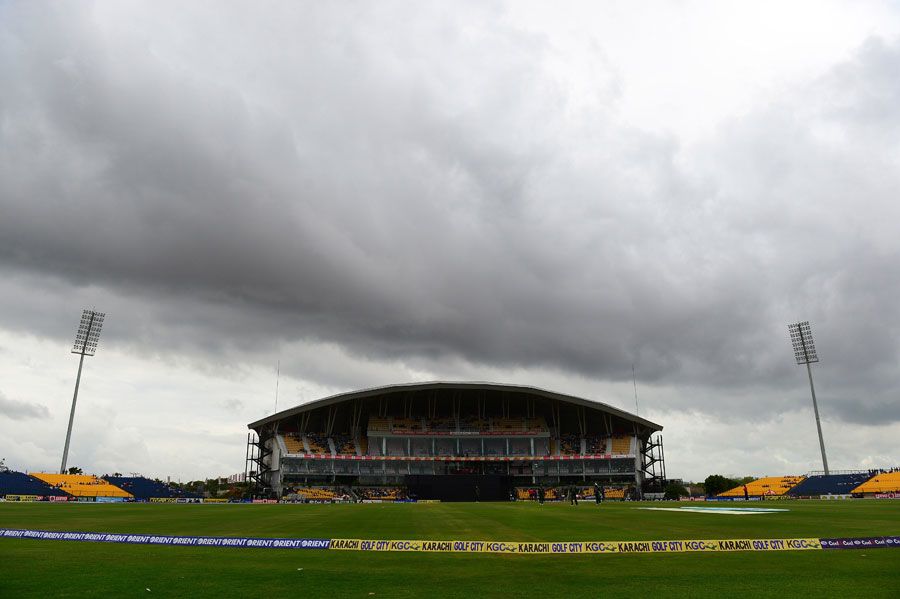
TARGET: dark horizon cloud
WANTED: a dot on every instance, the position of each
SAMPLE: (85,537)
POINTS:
(428,190)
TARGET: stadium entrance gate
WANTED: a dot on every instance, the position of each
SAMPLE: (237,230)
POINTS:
(460,487)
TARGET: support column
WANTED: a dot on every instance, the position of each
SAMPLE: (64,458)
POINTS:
(65,457)
(815,409)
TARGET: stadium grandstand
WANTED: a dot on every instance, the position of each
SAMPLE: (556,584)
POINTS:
(885,482)
(19,484)
(583,493)
(82,485)
(37,486)
(452,441)
(816,485)
(143,488)
(769,486)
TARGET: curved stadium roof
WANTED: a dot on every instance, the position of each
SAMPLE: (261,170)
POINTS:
(461,386)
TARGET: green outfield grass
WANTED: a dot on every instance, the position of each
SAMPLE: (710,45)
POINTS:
(31,568)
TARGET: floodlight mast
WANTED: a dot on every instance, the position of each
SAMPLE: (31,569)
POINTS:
(86,340)
(805,353)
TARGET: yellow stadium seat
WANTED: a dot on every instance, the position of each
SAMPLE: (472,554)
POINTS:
(81,485)
(770,486)
(317,494)
(294,444)
(613,493)
(888,482)
(621,445)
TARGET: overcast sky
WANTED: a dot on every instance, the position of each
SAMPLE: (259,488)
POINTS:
(382,192)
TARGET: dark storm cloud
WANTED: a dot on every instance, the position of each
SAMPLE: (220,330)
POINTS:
(419,187)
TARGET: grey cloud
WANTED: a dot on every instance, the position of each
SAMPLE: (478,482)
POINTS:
(233,405)
(420,192)
(15,409)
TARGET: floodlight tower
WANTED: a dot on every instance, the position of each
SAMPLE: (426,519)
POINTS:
(85,344)
(805,353)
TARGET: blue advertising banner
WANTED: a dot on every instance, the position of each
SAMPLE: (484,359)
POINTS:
(184,541)
(862,543)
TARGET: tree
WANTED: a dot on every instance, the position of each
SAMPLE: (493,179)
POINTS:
(716,483)
(236,491)
(3,467)
(75,470)
(675,491)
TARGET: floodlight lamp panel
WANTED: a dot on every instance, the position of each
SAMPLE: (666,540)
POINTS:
(802,342)
(88,334)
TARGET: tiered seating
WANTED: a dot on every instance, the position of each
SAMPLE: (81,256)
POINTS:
(407,425)
(318,443)
(441,424)
(767,486)
(144,488)
(508,424)
(472,424)
(293,443)
(344,444)
(621,445)
(382,493)
(569,444)
(17,483)
(377,423)
(833,484)
(887,482)
(316,494)
(552,493)
(538,425)
(81,485)
(468,424)
(613,493)
(595,444)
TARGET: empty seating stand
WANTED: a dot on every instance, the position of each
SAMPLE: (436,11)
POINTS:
(833,484)
(381,493)
(886,482)
(144,488)
(316,494)
(294,444)
(621,445)
(18,483)
(82,485)
(769,486)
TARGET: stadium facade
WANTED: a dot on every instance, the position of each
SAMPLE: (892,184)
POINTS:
(454,440)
